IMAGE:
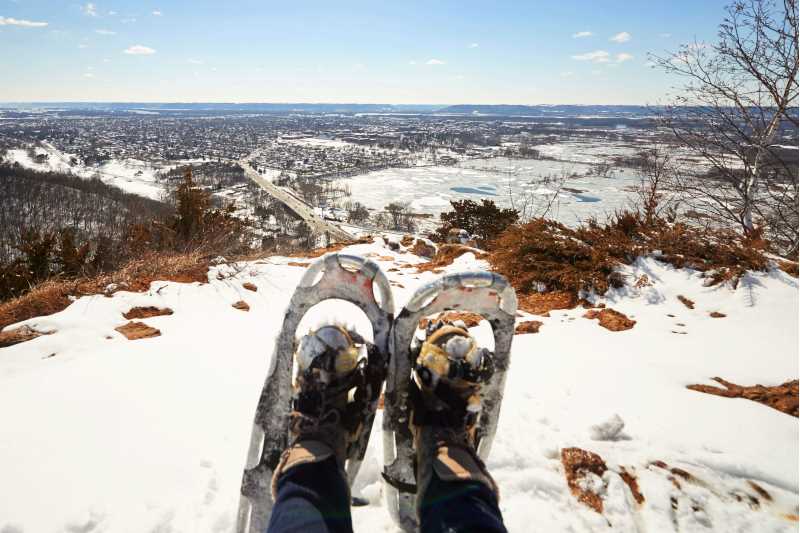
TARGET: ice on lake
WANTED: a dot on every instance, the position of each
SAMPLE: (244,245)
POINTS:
(507,182)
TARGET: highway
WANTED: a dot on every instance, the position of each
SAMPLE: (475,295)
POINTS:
(318,224)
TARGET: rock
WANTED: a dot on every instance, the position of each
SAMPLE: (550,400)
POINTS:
(610,430)
(147,312)
(138,330)
(424,248)
(250,286)
(717,314)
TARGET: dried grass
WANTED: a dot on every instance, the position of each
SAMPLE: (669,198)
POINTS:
(446,254)
(53,295)
(783,397)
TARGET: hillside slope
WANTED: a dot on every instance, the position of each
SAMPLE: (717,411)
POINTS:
(104,434)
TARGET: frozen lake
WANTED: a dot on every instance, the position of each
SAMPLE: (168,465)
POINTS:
(508,182)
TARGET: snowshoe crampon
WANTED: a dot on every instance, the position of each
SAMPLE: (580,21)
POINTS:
(335,276)
(483,293)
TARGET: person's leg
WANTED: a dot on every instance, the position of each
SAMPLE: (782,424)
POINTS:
(459,506)
(312,497)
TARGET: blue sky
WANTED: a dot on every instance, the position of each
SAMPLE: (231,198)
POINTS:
(438,52)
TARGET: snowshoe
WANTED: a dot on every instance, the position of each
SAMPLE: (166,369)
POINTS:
(335,276)
(483,293)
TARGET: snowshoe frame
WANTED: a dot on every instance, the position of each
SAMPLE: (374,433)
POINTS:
(485,293)
(334,276)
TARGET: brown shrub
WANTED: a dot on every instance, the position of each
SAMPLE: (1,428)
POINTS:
(250,286)
(633,485)
(686,301)
(446,254)
(610,319)
(717,314)
(52,296)
(783,397)
(545,255)
(541,303)
(147,312)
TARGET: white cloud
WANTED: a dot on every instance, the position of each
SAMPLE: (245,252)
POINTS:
(473,45)
(157,13)
(105,32)
(88,75)
(665,35)
(434,62)
(412,62)
(598,56)
(8,21)
(567,74)
(83,45)
(112,13)
(196,61)
(621,37)
(581,34)
(621,58)
(139,50)
(90,9)
(129,20)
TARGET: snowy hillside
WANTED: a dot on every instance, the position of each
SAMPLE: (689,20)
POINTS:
(103,434)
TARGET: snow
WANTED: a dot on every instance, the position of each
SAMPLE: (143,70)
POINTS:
(102,434)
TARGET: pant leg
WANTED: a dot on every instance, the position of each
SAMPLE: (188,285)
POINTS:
(459,507)
(312,498)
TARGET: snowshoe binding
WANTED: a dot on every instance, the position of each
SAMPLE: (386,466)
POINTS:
(444,391)
(338,383)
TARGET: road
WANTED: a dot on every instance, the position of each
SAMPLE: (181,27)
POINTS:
(318,224)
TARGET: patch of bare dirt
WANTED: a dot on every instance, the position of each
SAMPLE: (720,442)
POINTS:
(138,330)
(541,303)
(147,312)
(633,485)
(470,319)
(297,264)
(20,334)
(241,305)
(717,314)
(578,464)
(686,301)
(250,286)
(531,326)
(783,397)
(407,240)
(610,319)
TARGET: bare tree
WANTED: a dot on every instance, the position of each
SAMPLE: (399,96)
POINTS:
(739,99)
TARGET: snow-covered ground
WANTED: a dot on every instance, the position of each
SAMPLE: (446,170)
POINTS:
(102,434)
(505,181)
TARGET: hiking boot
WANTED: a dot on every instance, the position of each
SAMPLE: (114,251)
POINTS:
(446,401)
(320,427)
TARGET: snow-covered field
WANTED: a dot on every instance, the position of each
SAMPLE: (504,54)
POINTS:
(102,434)
(130,175)
(503,180)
